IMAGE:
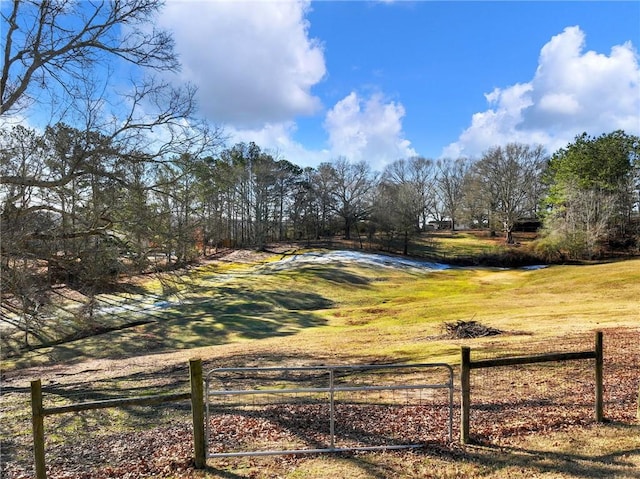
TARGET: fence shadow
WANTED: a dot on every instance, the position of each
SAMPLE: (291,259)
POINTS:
(570,464)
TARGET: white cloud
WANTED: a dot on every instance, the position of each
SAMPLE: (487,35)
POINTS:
(277,138)
(358,128)
(9,121)
(255,65)
(572,91)
(253,62)
(495,126)
(367,129)
(559,104)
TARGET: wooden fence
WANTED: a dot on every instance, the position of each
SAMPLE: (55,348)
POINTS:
(196,395)
(467,365)
(39,412)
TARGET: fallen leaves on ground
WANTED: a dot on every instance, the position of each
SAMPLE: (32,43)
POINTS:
(505,405)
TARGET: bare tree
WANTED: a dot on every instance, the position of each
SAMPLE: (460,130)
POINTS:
(322,199)
(397,209)
(403,197)
(56,42)
(351,187)
(580,228)
(68,47)
(310,202)
(62,54)
(510,180)
(62,186)
(450,186)
(418,174)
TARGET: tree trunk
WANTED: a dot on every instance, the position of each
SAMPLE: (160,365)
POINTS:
(509,239)
(508,228)
(347,229)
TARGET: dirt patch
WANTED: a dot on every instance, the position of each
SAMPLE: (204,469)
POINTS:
(256,256)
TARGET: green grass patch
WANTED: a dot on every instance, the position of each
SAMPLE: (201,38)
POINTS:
(372,310)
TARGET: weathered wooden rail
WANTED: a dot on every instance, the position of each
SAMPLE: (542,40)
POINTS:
(467,365)
(39,412)
(197,398)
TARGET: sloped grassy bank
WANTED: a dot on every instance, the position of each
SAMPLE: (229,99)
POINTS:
(328,304)
(249,311)
(68,315)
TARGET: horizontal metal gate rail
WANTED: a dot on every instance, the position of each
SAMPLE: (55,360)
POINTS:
(331,389)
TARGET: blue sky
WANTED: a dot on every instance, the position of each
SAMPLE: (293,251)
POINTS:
(382,80)
(379,81)
(438,59)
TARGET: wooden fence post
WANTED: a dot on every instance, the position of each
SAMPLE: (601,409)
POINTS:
(599,377)
(638,414)
(465,393)
(38,429)
(197,408)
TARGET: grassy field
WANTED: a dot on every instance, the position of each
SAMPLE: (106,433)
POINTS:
(248,310)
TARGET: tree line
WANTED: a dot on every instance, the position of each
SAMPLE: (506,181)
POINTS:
(80,204)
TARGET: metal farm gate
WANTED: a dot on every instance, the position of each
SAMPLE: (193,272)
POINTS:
(294,410)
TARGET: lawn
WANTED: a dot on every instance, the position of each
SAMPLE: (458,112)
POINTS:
(250,311)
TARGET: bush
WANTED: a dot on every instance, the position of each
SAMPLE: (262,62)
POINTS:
(510,258)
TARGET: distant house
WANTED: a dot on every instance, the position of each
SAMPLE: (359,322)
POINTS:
(439,225)
(527,225)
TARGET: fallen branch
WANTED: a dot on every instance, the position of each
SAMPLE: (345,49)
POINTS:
(469,329)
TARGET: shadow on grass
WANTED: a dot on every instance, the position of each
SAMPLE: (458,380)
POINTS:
(333,274)
(614,464)
(216,316)
(229,313)
(202,313)
(490,459)
(222,474)
(532,461)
